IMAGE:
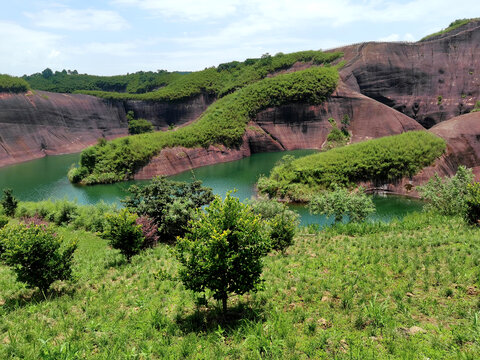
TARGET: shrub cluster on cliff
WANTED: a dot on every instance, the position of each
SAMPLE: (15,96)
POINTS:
(13,84)
(379,160)
(222,123)
(224,79)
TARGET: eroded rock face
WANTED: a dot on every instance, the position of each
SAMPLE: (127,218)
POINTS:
(430,81)
(303,126)
(36,124)
(164,114)
(42,123)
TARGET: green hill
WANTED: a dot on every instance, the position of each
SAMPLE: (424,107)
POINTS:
(382,160)
(223,122)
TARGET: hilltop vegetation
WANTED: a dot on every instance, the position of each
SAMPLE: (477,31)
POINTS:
(454,25)
(222,123)
(13,84)
(379,160)
(70,81)
(224,79)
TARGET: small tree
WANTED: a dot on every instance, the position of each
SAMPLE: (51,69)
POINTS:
(123,233)
(447,196)
(340,202)
(36,254)
(8,202)
(223,250)
(279,222)
(169,203)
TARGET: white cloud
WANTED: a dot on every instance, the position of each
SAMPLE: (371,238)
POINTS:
(186,9)
(397,37)
(24,50)
(73,19)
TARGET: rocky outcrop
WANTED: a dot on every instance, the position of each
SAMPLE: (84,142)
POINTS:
(172,161)
(41,123)
(36,124)
(165,114)
(302,126)
(429,81)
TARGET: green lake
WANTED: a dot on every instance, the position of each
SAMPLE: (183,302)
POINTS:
(45,178)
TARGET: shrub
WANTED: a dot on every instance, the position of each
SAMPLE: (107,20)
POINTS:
(279,221)
(169,203)
(3,221)
(472,204)
(139,126)
(36,254)
(223,250)
(123,233)
(9,202)
(447,196)
(340,202)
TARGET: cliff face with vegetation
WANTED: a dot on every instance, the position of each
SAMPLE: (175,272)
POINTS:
(383,88)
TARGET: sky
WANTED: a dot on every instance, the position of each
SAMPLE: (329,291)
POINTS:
(108,37)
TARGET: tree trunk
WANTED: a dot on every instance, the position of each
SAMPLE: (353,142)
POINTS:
(224,305)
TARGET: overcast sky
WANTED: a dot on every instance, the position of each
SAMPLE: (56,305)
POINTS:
(107,37)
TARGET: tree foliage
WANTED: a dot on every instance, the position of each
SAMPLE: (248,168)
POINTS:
(13,84)
(36,254)
(123,233)
(169,203)
(223,250)
(340,203)
(447,196)
(9,202)
(279,222)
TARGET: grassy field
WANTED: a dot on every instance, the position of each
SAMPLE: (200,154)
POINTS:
(405,290)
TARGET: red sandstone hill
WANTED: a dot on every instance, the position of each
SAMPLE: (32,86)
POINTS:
(385,89)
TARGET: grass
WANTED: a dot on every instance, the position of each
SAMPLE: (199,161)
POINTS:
(407,290)
(13,84)
(454,25)
(380,160)
(224,122)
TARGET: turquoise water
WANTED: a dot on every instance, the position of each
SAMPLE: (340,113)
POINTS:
(46,179)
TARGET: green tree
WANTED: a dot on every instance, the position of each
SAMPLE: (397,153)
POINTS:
(279,222)
(223,250)
(169,203)
(340,202)
(123,233)
(36,254)
(9,202)
(447,196)
(139,126)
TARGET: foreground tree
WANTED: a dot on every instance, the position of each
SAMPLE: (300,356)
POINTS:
(340,202)
(123,233)
(36,254)
(223,250)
